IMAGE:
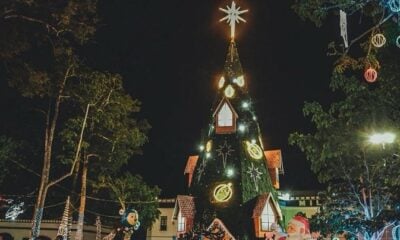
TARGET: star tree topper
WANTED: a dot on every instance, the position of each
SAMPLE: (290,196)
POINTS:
(233,16)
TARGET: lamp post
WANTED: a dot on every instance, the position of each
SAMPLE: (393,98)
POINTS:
(382,138)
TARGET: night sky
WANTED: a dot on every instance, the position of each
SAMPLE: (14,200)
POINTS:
(171,53)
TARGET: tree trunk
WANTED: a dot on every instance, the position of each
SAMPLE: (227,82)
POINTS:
(51,123)
(81,216)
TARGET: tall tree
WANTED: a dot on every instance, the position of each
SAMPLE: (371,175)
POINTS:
(363,185)
(113,133)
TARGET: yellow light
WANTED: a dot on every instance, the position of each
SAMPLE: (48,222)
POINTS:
(239,81)
(209,146)
(223,192)
(254,150)
(229,91)
(221,82)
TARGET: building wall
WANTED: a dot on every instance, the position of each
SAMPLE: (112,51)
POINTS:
(156,234)
(21,229)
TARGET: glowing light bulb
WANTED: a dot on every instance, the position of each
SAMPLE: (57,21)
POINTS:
(242,127)
(201,147)
(230,172)
(239,81)
(208,155)
(245,104)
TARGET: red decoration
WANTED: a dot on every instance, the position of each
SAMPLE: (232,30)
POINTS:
(370,75)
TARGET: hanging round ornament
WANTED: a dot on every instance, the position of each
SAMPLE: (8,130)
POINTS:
(223,192)
(221,82)
(378,40)
(209,146)
(254,150)
(229,91)
(394,5)
(398,41)
(370,75)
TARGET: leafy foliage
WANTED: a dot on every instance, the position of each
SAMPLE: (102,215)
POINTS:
(363,182)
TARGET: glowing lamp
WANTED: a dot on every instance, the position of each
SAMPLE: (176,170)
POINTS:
(201,147)
(239,81)
(370,75)
(221,82)
(245,105)
(382,138)
(223,192)
(229,91)
(378,40)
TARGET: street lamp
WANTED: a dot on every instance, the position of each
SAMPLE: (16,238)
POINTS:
(382,138)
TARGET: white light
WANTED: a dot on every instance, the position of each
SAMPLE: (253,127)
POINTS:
(233,17)
(208,155)
(245,104)
(229,172)
(285,196)
(382,138)
(242,127)
(253,141)
(254,118)
(201,147)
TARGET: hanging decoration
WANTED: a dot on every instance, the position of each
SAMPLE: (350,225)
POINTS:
(223,192)
(229,91)
(14,211)
(255,174)
(343,28)
(239,81)
(394,5)
(221,82)
(224,151)
(254,150)
(209,146)
(370,75)
(398,41)
(378,40)
(64,230)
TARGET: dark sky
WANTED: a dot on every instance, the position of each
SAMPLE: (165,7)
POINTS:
(171,53)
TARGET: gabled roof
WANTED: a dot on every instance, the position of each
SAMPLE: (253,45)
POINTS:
(228,235)
(274,159)
(185,204)
(225,100)
(262,201)
(190,165)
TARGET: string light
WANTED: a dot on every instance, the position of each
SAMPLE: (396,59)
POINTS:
(221,82)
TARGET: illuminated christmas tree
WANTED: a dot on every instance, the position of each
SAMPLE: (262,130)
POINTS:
(233,181)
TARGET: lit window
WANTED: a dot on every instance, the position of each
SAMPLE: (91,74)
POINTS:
(267,217)
(225,116)
(163,223)
(181,222)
